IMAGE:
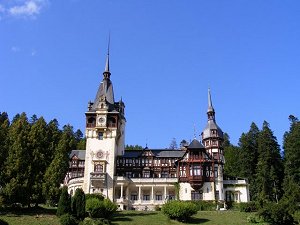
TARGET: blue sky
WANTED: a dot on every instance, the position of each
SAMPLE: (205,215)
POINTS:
(163,57)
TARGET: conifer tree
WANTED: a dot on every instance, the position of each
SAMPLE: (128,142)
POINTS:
(64,203)
(56,171)
(291,145)
(269,166)
(78,204)
(39,149)
(18,163)
(4,128)
(248,144)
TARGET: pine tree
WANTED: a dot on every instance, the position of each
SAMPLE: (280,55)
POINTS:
(64,204)
(291,145)
(4,128)
(56,171)
(18,164)
(232,165)
(248,144)
(78,204)
(269,167)
(39,148)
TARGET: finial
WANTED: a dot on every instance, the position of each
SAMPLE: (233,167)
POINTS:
(107,57)
(209,98)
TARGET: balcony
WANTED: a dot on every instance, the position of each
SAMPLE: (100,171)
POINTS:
(97,176)
(154,180)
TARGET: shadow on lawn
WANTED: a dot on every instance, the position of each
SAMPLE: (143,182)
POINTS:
(119,217)
(197,221)
(18,211)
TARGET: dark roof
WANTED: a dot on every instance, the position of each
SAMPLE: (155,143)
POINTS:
(79,153)
(162,153)
(195,144)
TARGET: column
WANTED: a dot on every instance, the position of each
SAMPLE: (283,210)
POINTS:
(121,197)
(139,198)
(152,194)
(165,192)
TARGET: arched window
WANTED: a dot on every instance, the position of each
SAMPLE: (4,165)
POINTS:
(98,168)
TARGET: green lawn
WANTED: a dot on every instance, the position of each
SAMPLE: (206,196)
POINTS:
(47,217)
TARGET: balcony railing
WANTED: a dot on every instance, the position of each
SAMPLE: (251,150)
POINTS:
(154,180)
(97,176)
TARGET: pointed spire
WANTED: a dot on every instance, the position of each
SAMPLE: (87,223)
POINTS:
(106,72)
(210,110)
(107,57)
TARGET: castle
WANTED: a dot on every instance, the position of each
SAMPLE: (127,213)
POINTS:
(143,179)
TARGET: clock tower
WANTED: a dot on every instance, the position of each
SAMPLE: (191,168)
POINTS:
(105,134)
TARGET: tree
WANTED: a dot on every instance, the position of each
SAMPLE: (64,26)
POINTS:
(173,144)
(56,171)
(291,146)
(39,149)
(4,128)
(18,164)
(64,204)
(78,204)
(133,147)
(232,165)
(248,157)
(269,167)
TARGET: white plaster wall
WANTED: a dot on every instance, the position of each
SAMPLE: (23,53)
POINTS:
(244,192)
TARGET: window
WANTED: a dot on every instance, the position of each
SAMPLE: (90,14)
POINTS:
(146,174)
(133,197)
(182,171)
(164,174)
(197,195)
(197,170)
(98,168)
(100,135)
(146,197)
(158,197)
(217,196)
(216,171)
(128,174)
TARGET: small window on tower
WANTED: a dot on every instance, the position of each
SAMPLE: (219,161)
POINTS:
(100,135)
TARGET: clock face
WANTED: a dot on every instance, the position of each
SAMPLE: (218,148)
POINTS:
(102,120)
(99,154)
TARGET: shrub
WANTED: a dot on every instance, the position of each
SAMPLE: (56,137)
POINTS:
(64,204)
(178,210)
(68,219)
(205,205)
(247,207)
(94,195)
(78,204)
(252,219)
(3,222)
(276,214)
(100,209)
(296,216)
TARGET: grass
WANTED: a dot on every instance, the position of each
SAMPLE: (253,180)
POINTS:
(46,216)
(202,217)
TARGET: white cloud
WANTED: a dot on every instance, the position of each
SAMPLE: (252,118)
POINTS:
(29,8)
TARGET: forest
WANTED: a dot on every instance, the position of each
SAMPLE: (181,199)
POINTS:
(34,158)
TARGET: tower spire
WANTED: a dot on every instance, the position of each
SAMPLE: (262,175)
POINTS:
(106,72)
(210,110)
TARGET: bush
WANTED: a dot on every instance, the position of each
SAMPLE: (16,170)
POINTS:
(252,219)
(64,204)
(94,195)
(3,222)
(78,204)
(68,219)
(91,221)
(296,216)
(247,207)
(178,210)
(100,209)
(205,205)
(276,214)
